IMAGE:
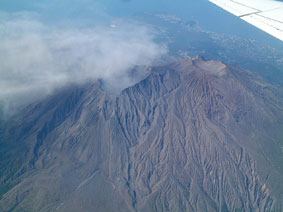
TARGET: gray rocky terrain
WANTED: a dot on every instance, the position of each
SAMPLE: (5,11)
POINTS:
(193,135)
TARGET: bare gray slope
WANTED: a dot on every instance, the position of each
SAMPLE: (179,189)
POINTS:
(192,136)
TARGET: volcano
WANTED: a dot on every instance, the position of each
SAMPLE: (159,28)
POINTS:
(193,135)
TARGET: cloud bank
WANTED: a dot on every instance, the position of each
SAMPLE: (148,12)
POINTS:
(36,59)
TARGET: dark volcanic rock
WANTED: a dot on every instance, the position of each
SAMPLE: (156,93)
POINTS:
(195,135)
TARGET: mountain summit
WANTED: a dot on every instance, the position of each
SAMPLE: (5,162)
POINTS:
(194,135)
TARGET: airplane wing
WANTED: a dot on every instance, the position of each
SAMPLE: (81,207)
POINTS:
(266,15)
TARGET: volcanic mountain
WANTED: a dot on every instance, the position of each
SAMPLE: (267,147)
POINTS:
(193,135)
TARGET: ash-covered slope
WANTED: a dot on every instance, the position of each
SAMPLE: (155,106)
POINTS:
(195,135)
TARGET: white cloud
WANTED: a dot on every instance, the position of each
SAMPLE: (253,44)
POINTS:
(36,59)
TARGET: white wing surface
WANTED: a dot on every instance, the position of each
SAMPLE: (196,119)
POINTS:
(266,15)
